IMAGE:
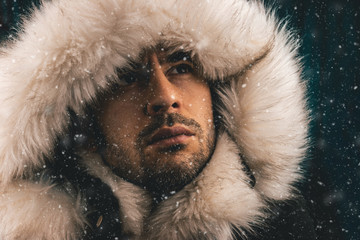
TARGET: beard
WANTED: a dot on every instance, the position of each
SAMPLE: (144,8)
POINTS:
(172,168)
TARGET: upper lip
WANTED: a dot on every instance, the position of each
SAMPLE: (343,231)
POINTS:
(165,133)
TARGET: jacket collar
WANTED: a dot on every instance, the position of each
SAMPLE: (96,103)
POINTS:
(217,201)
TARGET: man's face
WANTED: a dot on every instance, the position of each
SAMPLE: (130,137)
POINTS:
(159,126)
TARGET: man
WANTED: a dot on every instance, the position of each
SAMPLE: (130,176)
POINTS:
(152,120)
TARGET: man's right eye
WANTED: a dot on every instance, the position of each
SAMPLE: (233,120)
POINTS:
(128,77)
(182,68)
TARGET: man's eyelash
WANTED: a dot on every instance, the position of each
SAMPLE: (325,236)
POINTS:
(181,68)
(129,76)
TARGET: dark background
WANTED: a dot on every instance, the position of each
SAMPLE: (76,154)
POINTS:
(330,34)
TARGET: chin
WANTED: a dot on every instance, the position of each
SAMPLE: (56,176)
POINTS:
(172,172)
(169,182)
(175,157)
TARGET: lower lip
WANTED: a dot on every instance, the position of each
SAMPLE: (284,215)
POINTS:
(168,142)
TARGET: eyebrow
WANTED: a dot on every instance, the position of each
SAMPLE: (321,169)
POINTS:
(135,66)
(179,56)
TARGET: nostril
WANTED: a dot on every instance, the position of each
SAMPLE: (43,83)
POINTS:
(157,108)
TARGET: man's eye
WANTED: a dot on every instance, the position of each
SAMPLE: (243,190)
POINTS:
(181,69)
(129,78)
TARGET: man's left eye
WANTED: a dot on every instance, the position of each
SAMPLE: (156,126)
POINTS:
(180,69)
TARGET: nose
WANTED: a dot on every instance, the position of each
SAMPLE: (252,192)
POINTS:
(163,95)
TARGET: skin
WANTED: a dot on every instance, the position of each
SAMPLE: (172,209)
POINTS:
(159,126)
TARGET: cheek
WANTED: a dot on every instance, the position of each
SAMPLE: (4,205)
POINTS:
(121,121)
(208,117)
(200,105)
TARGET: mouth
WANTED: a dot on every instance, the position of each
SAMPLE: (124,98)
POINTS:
(166,137)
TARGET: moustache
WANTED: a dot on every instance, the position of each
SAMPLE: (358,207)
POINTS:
(169,119)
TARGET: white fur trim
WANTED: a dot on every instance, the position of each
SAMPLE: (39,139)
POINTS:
(265,112)
(38,211)
(134,202)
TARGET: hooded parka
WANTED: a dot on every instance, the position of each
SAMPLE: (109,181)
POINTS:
(68,52)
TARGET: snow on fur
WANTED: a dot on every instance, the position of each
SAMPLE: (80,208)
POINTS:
(37,211)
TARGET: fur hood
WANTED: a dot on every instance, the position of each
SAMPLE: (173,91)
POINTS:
(67,53)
